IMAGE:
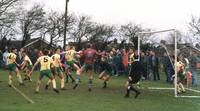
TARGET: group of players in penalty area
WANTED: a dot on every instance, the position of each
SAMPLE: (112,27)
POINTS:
(52,67)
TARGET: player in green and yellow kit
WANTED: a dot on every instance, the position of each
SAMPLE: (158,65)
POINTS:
(45,70)
(69,56)
(57,69)
(12,66)
(26,66)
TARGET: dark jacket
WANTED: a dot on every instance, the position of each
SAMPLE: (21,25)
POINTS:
(154,61)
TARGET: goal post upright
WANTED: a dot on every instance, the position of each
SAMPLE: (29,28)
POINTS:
(139,46)
(175,64)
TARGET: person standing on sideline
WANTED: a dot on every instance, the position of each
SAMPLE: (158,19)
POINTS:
(154,66)
(193,67)
(5,58)
(20,56)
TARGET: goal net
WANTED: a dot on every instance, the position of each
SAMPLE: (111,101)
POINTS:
(169,63)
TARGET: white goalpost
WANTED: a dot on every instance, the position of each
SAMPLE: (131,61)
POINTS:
(190,91)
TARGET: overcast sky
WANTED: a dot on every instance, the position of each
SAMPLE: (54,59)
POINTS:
(157,14)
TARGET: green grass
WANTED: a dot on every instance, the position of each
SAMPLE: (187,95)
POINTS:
(110,99)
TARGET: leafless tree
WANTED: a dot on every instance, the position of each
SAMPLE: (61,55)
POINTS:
(83,27)
(8,15)
(31,22)
(54,26)
(179,36)
(8,5)
(102,32)
(130,32)
(194,27)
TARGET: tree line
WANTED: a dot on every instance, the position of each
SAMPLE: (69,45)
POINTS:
(16,21)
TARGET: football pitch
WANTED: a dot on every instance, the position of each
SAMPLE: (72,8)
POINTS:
(110,99)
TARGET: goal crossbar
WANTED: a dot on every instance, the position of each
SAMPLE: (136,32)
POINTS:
(160,31)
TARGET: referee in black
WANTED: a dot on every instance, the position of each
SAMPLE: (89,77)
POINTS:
(134,77)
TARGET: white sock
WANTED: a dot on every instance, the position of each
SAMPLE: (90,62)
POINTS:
(19,78)
(54,83)
(9,79)
(38,86)
(62,82)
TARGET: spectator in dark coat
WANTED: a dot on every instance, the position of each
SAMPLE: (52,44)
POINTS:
(194,59)
(154,62)
(120,67)
(19,56)
(168,68)
(1,59)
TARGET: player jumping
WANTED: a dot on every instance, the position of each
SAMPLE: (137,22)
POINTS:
(66,67)
(69,56)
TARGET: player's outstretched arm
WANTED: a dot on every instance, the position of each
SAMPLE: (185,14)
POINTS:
(17,64)
(34,67)
(23,65)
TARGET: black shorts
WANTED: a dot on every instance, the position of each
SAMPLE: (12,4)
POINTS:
(135,79)
(106,67)
(88,67)
(136,72)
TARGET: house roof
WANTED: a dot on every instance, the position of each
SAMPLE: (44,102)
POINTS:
(18,43)
(34,40)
